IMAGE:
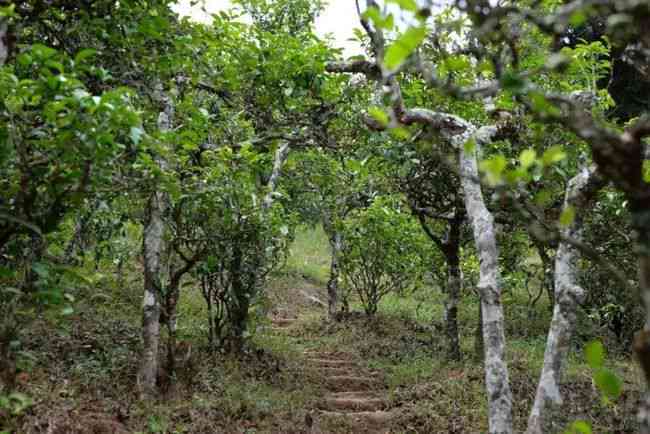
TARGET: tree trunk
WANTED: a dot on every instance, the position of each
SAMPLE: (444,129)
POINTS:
(336,244)
(242,301)
(496,371)
(568,295)
(4,43)
(452,255)
(642,339)
(171,315)
(479,346)
(153,247)
(333,282)
(281,155)
(76,241)
(548,272)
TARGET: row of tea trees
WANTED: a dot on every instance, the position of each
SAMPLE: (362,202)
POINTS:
(184,129)
(181,133)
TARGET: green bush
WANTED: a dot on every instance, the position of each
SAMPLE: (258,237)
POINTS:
(384,251)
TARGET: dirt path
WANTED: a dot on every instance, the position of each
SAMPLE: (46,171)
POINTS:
(354,399)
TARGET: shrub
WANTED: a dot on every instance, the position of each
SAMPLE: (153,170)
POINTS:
(384,251)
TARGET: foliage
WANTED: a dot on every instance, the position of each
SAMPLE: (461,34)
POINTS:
(384,252)
(245,242)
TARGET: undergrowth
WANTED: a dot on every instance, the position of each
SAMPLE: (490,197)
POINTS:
(83,369)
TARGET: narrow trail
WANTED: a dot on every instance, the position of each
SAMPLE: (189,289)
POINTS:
(353,399)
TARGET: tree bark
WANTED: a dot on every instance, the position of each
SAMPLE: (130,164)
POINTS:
(479,346)
(4,43)
(333,282)
(154,247)
(496,371)
(80,228)
(280,157)
(642,338)
(548,270)
(568,295)
(452,255)
(336,244)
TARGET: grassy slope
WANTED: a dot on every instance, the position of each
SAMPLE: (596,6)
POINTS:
(83,372)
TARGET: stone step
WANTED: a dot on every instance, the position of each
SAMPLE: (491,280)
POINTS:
(350,404)
(330,363)
(283,322)
(373,418)
(357,394)
(350,383)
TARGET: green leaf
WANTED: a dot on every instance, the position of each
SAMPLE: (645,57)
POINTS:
(527,158)
(494,168)
(378,20)
(608,383)
(67,311)
(577,18)
(595,354)
(567,216)
(579,427)
(58,66)
(542,105)
(84,54)
(554,154)
(136,134)
(379,115)
(400,133)
(407,5)
(402,48)
(470,146)
(511,81)
(646,171)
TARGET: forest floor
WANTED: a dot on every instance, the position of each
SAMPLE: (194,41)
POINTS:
(301,374)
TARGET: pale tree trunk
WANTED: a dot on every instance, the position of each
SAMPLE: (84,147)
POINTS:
(280,157)
(4,43)
(336,244)
(497,381)
(568,295)
(154,247)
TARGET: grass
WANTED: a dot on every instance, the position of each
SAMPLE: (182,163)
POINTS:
(88,362)
(309,255)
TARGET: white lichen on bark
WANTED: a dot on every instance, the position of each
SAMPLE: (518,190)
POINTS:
(497,380)
(568,295)
(281,155)
(4,46)
(153,245)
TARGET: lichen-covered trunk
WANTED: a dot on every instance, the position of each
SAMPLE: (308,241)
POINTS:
(4,43)
(568,295)
(281,155)
(548,272)
(153,249)
(497,380)
(336,244)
